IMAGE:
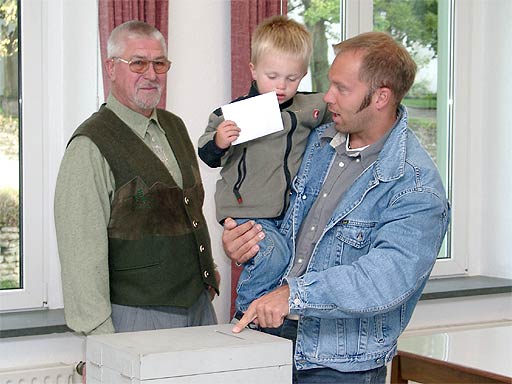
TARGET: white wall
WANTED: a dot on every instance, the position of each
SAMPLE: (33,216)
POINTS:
(496,139)
(71,78)
(482,216)
(198,83)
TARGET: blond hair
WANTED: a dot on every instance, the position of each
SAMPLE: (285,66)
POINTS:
(279,34)
(385,63)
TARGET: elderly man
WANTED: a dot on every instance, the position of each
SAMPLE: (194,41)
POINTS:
(365,224)
(133,243)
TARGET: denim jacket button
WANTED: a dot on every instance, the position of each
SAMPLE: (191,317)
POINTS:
(304,197)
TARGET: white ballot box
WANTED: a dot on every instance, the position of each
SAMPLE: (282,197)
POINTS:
(210,354)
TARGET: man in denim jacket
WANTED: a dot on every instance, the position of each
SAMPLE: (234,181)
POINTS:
(366,221)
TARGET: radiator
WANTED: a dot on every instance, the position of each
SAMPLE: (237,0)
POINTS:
(58,373)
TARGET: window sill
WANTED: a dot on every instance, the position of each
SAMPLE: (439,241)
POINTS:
(451,287)
(42,322)
(32,323)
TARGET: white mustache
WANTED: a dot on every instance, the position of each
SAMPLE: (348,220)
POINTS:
(149,84)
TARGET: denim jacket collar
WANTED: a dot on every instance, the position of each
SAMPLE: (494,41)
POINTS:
(390,165)
(391,161)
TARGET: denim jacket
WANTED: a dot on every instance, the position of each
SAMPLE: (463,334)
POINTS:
(374,257)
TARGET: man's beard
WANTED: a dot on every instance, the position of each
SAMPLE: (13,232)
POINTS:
(149,101)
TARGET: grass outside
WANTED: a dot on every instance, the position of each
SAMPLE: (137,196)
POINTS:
(6,284)
(425,103)
(426,130)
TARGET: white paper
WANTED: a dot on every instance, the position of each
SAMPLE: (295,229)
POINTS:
(256,117)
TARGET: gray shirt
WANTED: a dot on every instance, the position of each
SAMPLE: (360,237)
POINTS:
(345,168)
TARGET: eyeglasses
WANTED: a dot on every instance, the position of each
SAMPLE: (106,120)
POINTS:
(142,65)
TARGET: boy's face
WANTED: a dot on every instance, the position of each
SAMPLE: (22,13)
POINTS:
(278,72)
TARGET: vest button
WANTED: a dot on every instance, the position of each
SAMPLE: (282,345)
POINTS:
(201,248)
(195,223)
(206,274)
(187,200)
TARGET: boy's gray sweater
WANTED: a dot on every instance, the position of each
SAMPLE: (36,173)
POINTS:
(256,175)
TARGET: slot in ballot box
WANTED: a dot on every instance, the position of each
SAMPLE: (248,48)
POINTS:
(209,354)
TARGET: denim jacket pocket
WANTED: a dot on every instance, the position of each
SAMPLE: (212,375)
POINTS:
(353,240)
(354,233)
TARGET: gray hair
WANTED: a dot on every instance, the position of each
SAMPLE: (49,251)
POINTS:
(133,29)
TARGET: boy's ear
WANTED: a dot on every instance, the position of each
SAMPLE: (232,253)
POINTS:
(253,70)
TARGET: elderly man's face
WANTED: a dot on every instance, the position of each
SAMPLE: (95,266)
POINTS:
(140,92)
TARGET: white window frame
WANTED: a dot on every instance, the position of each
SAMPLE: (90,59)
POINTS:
(357,16)
(32,294)
(60,84)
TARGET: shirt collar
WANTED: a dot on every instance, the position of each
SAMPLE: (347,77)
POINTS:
(339,142)
(137,122)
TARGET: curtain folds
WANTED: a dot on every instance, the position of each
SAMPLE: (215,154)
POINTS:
(115,12)
(245,16)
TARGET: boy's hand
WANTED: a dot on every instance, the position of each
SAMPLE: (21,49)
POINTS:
(227,132)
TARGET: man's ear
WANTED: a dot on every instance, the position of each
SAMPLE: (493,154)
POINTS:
(110,69)
(383,97)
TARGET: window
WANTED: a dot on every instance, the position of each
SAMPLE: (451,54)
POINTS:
(58,77)
(425,27)
(23,287)
(10,266)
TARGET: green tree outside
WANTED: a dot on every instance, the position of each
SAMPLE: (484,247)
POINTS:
(411,22)
(9,52)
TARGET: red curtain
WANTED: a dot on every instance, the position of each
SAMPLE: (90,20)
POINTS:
(115,12)
(245,16)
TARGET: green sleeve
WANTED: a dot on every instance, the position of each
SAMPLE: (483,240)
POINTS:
(83,194)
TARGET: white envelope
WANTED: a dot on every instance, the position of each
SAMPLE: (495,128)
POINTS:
(256,117)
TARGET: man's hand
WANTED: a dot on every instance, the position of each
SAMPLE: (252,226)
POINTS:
(227,132)
(268,311)
(240,242)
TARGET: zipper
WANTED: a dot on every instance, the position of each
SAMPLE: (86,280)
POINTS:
(242,172)
(286,170)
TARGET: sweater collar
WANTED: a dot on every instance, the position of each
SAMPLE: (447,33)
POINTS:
(253,91)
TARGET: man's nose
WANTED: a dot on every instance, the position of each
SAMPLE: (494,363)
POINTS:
(150,72)
(327,96)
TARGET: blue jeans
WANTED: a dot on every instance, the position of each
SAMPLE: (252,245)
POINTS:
(288,330)
(263,272)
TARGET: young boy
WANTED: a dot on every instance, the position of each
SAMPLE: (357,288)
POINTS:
(256,175)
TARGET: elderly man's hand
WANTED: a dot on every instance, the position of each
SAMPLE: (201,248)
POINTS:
(240,242)
(211,290)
